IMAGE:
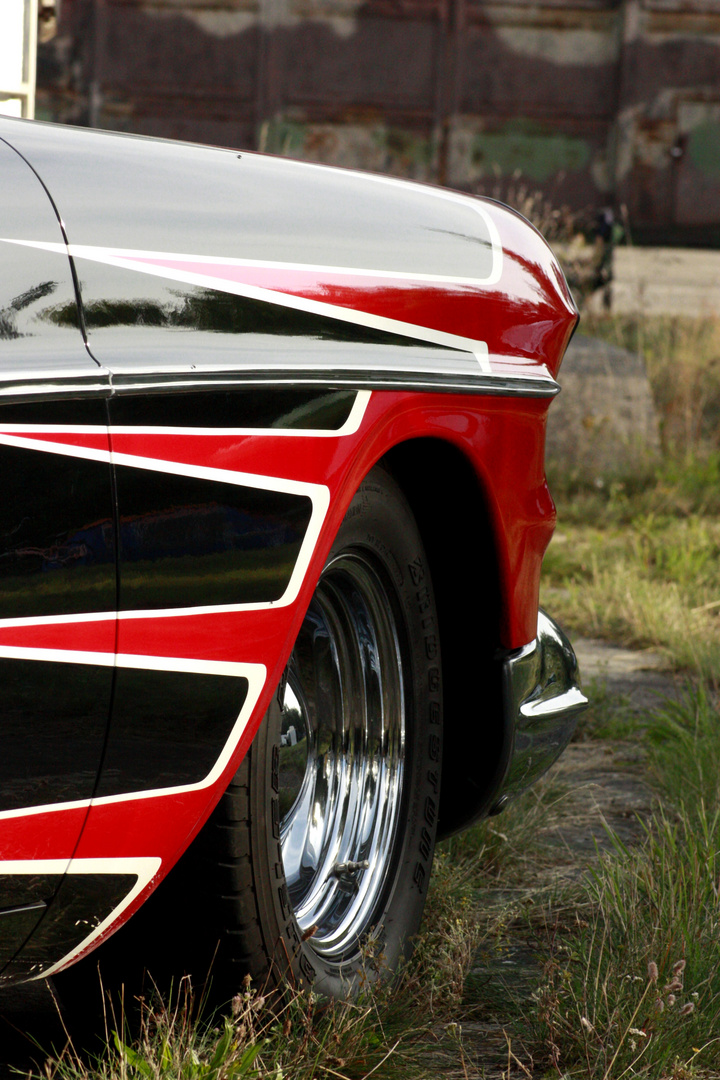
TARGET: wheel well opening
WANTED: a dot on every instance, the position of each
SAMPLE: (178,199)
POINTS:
(451,511)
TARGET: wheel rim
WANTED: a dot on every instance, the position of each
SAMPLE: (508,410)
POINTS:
(342,755)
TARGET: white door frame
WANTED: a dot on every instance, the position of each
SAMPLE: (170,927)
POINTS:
(18,57)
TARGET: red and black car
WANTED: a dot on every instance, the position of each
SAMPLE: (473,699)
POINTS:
(273,513)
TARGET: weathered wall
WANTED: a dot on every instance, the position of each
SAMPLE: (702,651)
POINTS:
(593,102)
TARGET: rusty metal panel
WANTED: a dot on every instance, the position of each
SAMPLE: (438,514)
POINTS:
(566,162)
(683,7)
(146,52)
(383,64)
(529,68)
(591,102)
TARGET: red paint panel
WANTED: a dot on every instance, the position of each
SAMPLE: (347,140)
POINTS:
(230,637)
(140,827)
(88,440)
(66,636)
(45,835)
(281,457)
(527,313)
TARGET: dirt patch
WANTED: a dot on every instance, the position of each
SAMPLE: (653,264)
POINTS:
(606,780)
(606,791)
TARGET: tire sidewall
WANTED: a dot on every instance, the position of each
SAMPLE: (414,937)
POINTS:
(379,521)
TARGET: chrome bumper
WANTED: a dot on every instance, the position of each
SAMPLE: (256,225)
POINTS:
(542,696)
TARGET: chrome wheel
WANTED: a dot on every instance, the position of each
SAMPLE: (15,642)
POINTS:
(323,841)
(342,753)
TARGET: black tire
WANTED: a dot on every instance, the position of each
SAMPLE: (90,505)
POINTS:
(295,902)
(236,904)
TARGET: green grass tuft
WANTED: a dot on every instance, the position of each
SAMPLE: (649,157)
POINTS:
(635,987)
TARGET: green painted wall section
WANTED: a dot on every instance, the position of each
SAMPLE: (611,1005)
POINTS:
(704,148)
(531,150)
(377,147)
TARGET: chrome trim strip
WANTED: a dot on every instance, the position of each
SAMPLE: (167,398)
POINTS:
(49,385)
(543,700)
(494,385)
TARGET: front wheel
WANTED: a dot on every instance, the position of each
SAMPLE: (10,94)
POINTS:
(323,842)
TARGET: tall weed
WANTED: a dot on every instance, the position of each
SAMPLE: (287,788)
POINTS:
(685,740)
(682,357)
(632,985)
(304,1038)
(634,988)
(653,583)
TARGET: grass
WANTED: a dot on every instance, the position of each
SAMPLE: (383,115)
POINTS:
(399,1028)
(633,989)
(609,716)
(632,972)
(305,1039)
(408,1028)
(682,357)
(632,984)
(686,749)
(654,581)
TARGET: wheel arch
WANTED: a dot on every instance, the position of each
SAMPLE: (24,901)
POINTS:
(456,529)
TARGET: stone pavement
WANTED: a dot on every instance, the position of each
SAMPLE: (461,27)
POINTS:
(639,675)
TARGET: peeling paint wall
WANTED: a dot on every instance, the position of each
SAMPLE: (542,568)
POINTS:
(592,102)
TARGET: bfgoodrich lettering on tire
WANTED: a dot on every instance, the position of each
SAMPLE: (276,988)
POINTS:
(323,843)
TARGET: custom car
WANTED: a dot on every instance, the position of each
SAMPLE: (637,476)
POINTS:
(273,513)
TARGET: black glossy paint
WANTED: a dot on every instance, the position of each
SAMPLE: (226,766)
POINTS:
(161,305)
(25,898)
(24,890)
(283,409)
(56,558)
(136,326)
(65,412)
(82,902)
(39,325)
(56,534)
(15,927)
(243,206)
(201,201)
(168,728)
(187,542)
(53,718)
